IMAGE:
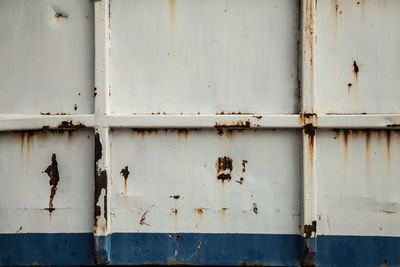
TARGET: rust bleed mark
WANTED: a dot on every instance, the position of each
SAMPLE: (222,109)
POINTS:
(174,211)
(309,29)
(52,172)
(355,69)
(310,130)
(70,125)
(388,151)
(175,196)
(125,173)
(171,4)
(143,218)
(394,125)
(255,208)
(309,256)
(224,164)
(349,85)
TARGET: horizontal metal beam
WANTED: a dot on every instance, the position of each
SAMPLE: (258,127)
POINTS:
(60,122)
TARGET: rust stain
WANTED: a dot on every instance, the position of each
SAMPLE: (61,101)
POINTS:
(174,211)
(388,152)
(310,130)
(389,211)
(309,255)
(176,237)
(75,107)
(240,181)
(244,165)
(183,132)
(70,125)
(309,31)
(255,208)
(349,85)
(95,92)
(175,196)
(60,15)
(172,7)
(125,173)
(199,211)
(52,172)
(258,117)
(143,219)
(345,147)
(224,164)
(393,125)
(355,69)
(19,230)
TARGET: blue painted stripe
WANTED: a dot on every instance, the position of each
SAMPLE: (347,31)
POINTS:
(214,249)
(362,251)
(46,249)
(197,248)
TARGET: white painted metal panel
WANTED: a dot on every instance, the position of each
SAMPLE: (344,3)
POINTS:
(358,182)
(365,34)
(25,186)
(46,55)
(204,56)
(167,163)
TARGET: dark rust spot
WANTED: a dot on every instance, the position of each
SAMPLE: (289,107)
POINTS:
(392,125)
(255,208)
(258,117)
(241,180)
(75,107)
(175,196)
(200,211)
(125,173)
(70,125)
(355,69)
(309,130)
(244,165)
(52,172)
(97,148)
(95,92)
(349,87)
(100,184)
(224,164)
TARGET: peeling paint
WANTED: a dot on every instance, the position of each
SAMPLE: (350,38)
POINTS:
(52,172)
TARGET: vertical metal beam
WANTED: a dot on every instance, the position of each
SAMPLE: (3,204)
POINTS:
(308,121)
(102,144)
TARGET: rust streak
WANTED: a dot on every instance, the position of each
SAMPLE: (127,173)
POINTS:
(52,172)
(355,69)
(388,151)
(255,208)
(198,247)
(143,219)
(125,173)
(70,125)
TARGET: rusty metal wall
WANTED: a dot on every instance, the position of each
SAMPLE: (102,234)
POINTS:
(211,132)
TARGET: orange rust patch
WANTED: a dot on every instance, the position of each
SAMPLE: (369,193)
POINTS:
(199,211)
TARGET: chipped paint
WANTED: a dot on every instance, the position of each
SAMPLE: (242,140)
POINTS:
(52,172)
